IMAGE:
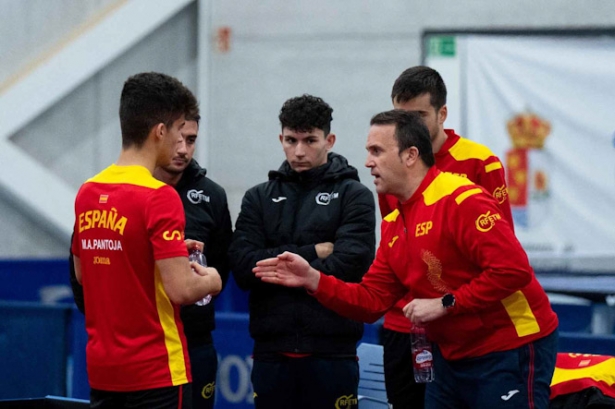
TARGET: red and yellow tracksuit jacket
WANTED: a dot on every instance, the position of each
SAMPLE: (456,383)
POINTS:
(465,158)
(451,237)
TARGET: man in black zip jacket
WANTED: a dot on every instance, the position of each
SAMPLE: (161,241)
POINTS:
(208,221)
(314,205)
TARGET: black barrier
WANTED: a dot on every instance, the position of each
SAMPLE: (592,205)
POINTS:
(586,343)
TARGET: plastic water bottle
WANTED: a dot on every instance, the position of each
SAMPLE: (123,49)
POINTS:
(199,257)
(422,356)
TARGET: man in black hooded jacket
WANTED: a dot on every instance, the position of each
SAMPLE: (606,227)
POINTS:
(314,205)
(208,221)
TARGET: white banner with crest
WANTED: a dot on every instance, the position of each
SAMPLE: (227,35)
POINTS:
(546,107)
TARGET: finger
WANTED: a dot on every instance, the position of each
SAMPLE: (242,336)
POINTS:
(267,262)
(270,279)
(194,244)
(263,271)
(197,268)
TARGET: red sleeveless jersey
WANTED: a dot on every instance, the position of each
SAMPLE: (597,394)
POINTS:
(125,221)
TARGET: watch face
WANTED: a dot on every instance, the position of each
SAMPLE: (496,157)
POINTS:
(448,300)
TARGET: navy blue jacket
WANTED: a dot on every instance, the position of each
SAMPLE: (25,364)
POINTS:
(294,212)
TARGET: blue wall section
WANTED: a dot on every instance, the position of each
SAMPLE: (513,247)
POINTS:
(77,382)
(234,346)
(33,349)
(28,280)
(42,347)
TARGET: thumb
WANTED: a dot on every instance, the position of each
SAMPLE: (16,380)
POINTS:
(286,256)
(406,310)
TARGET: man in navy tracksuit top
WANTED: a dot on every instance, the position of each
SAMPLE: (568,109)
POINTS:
(314,205)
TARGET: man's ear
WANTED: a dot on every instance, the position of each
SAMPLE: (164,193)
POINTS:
(410,156)
(330,141)
(442,114)
(281,138)
(159,130)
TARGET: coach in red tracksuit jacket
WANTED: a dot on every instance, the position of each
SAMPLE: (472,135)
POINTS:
(422,90)
(470,281)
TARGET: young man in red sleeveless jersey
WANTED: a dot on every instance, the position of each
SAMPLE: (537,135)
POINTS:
(131,258)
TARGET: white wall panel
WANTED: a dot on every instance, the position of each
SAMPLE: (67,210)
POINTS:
(80,135)
(354,77)
(28,28)
(349,53)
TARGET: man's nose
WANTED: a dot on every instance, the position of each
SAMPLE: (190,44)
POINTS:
(299,150)
(182,148)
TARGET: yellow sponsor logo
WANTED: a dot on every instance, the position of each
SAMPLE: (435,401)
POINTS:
(500,194)
(173,235)
(208,390)
(102,260)
(102,219)
(423,228)
(463,175)
(346,402)
(485,222)
(393,241)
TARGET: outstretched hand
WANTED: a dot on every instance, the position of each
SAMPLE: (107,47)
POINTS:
(287,269)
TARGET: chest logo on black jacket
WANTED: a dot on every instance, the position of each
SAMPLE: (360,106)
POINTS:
(197,196)
(325,198)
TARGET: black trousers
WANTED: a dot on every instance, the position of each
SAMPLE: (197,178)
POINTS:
(402,391)
(172,397)
(306,383)
(204,364)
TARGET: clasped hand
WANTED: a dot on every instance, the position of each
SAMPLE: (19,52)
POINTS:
(423,310)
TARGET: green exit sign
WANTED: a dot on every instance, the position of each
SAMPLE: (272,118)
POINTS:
(443,46)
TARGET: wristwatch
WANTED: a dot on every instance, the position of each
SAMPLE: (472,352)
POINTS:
(448,301)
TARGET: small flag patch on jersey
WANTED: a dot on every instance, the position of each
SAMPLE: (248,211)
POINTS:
(103,198)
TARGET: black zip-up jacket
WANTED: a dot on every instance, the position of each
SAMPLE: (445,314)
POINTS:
(294,212)
(207,220)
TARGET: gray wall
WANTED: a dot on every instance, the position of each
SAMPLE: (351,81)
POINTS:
(349,53)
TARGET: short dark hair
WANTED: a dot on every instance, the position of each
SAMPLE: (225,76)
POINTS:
(151,98)
(196,118)
(410,130)
(305,113)
(417,81)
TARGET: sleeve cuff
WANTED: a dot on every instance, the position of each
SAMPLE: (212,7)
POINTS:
(308,252)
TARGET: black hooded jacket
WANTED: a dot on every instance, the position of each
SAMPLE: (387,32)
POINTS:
(207,220)
(294,212)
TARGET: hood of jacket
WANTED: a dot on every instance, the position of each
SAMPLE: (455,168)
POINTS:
(191,174)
